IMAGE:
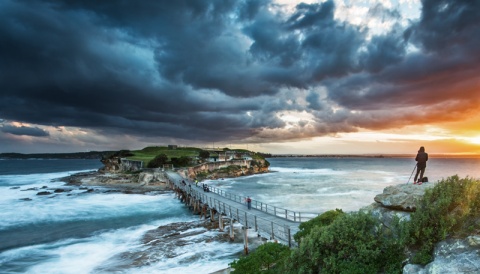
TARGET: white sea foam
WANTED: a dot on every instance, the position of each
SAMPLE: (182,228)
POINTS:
(58,208)
(324,171)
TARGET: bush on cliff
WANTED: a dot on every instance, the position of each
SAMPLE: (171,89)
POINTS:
(321,220)
(352,243)
(265,259)
(451,208)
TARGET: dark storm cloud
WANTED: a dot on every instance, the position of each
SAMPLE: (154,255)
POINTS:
(215,70)
(438,82)
(24,130)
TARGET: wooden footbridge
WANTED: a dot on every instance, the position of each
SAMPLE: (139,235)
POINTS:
(268,221)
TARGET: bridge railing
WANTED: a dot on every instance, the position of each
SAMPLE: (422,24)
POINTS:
(270,209)
(263,226)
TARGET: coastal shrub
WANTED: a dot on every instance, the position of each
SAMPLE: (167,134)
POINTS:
(352,243)
(450,208)
(322,220)
(204,154)
(265,259)
(182,161)
(158,161)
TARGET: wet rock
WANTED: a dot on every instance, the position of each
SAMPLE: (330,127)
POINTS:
(26,199)
(15,187)
(59,190)
(44,193)
(31,188)
(402,197)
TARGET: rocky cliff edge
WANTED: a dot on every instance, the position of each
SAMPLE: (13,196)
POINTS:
(450,256)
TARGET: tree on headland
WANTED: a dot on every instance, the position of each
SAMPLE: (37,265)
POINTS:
(204,154)
(158,161)
(181,161)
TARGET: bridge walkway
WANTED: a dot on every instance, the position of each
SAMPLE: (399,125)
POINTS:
(268,221)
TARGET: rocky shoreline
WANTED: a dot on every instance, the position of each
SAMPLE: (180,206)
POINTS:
(397,201)
(139,183)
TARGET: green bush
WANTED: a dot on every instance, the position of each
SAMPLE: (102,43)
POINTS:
(265,259)
(352,243)
(158,161)
(182,161)
(322,220)
(451,207)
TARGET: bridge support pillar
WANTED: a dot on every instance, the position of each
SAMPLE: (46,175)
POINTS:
(232,233)
(204,211)
(212,214)
(220,222)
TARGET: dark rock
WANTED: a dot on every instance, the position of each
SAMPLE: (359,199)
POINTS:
(44,193)
(26,199)
(32,188)
(15,187)
(59,190)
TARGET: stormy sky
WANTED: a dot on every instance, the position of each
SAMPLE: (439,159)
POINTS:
(98,75)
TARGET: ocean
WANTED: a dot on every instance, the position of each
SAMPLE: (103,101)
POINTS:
(78,230)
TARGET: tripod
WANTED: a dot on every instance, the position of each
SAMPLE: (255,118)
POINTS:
(412,173)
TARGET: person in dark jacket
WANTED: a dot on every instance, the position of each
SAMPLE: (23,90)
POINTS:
(422,158)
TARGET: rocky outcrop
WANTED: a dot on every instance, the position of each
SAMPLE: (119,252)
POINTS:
(450,256)
(402,197)
(117,164)
(144,181)
(152,178)
(226,169)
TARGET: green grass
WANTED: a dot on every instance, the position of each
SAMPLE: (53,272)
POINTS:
(149,153)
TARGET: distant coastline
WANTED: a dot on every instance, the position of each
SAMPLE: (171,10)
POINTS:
(74,155)
(371,155)
(100,154)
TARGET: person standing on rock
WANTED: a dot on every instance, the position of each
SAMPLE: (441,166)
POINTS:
(422,158)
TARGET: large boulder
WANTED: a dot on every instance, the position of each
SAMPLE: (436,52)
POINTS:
(385,215)
(402,197)
(451,256)
(151,178)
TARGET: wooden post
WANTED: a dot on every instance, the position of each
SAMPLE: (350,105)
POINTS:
(246,220)
(245,240)
(273,234)
(289,237)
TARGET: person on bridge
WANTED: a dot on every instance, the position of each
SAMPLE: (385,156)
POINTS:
(249,202)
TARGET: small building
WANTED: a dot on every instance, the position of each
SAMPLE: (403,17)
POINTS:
(172,147)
